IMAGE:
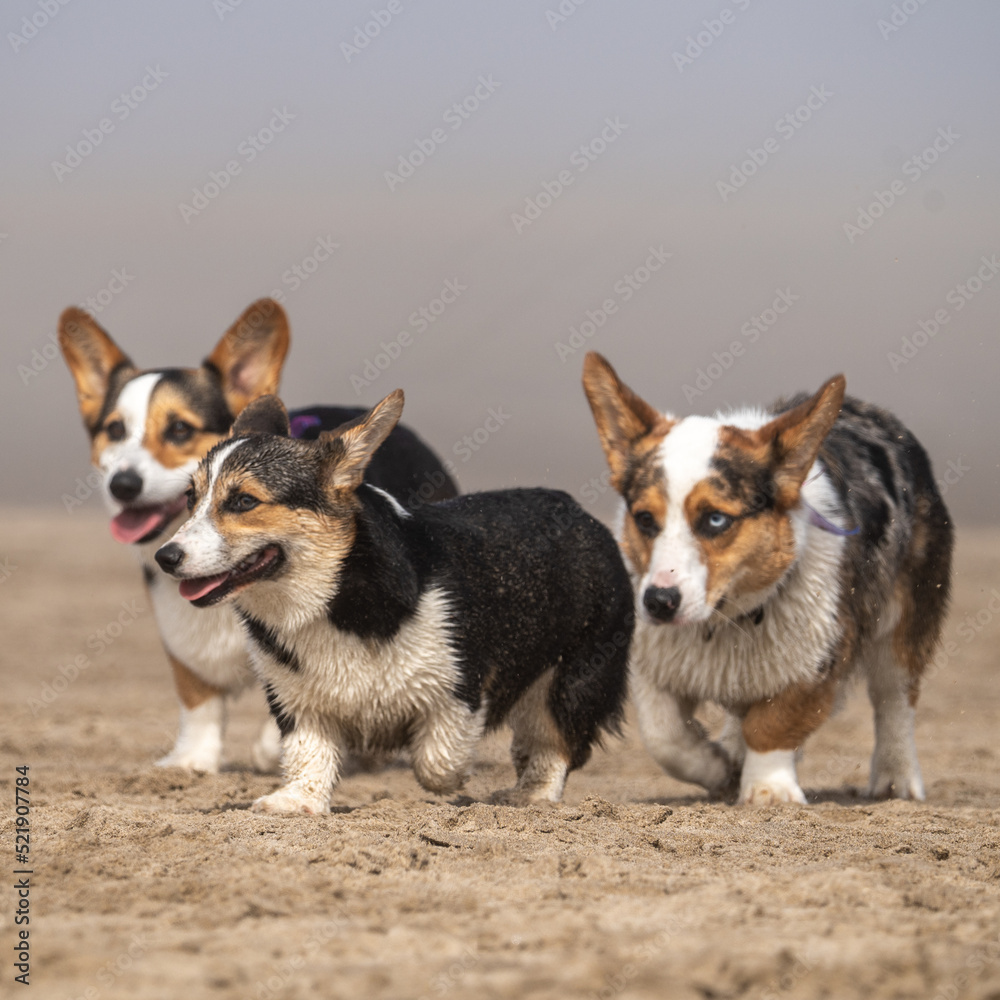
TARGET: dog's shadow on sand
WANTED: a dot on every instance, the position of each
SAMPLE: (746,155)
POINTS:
(814,797)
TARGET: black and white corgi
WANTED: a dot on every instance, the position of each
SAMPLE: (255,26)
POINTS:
(376,628)
(149,429)
(775,552)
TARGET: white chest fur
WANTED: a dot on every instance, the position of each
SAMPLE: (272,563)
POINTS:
(744,663)
(209,641)
(371,689)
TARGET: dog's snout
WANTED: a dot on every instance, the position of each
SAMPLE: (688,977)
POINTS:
(662,602)
(125,485)
(170,556)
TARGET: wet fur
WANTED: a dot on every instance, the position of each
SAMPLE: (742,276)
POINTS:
(798,608)
(386,628)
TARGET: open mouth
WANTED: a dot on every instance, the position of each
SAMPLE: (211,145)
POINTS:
(202,591)
(143,524)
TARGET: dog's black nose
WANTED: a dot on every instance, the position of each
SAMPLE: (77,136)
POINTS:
(125,485)
(170,556)
(662,602)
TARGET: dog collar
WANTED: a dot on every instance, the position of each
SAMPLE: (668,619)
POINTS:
(302,422)
(819,521)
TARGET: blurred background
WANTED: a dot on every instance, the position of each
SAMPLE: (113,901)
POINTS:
(731,201)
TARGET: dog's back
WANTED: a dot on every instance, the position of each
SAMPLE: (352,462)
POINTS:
(534,583)
(902,551)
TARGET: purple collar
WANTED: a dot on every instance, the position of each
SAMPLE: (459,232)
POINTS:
(817,520)
(302,422)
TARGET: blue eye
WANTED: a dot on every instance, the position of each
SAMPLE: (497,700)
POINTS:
(714,522)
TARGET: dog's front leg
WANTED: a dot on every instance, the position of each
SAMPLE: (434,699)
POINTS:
(774,730)
(311,755)
(203,722)
(677,740)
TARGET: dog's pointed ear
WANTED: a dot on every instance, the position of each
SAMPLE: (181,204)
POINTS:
(349,448)
(795,437)
(92,357)
(265,415)
(250,355)
(622,417)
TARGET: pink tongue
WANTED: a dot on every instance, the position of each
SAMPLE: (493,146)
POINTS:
(131,525)
(200,585)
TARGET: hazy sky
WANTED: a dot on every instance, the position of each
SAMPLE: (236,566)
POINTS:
(690,164)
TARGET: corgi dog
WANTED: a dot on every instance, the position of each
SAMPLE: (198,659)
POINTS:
(149,429)
(376,628)
(774,553)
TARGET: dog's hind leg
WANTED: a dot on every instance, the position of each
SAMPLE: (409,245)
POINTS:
(203,722)
(895,771)
(539,749)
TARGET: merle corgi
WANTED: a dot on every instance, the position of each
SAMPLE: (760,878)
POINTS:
(374,628)
(149,429)
(774,553)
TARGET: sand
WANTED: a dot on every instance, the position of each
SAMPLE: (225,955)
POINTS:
(160,884)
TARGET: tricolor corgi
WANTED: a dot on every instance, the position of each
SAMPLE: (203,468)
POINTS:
(774,553)
(375,628)
(149,429)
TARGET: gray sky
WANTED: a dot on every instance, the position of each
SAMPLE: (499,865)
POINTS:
(656,185)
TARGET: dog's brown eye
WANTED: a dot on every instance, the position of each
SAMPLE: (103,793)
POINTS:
(179,431)
(645,522)
(191,497)
(244,502)
(115,430)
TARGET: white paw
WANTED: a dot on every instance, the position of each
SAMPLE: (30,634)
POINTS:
(290,800)
(769,778)
(191,760)
(769,793)
(896,786)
